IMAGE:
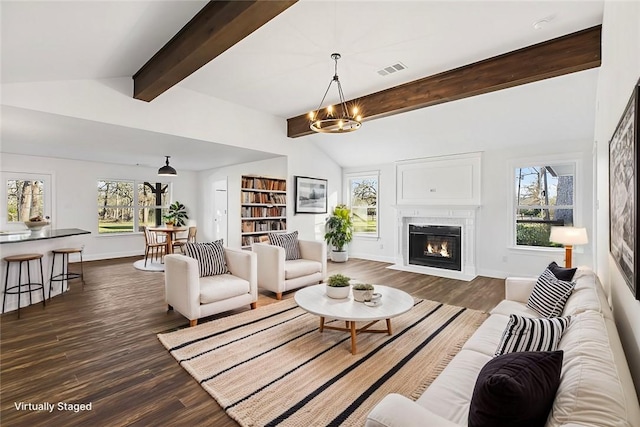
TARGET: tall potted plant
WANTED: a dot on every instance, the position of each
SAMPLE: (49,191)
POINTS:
(339,232)
(177,214)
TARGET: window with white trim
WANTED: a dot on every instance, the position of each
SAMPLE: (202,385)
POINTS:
(121,209)
(363,201)
(544,197)
(26,196)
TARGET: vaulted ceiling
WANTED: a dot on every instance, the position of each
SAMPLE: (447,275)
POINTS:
(284,66)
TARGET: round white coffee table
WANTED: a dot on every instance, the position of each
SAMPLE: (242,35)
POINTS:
(394,302)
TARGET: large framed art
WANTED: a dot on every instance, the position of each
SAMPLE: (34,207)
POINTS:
(311,195)
(623,193)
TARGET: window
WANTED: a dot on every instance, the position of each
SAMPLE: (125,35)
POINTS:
(26,196)
(25,199)
(544,198)
(363,201)
(123,210)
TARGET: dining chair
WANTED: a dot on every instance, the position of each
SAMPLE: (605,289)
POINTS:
(181,241)
(153,246)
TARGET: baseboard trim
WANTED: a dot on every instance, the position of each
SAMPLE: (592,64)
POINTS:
(100,257)
(369,257)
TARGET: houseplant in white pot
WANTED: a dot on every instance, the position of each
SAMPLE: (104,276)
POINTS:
(338,286)
(339,232)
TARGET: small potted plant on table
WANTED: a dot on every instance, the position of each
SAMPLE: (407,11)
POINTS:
(362,292)
(338,286)
(177,215)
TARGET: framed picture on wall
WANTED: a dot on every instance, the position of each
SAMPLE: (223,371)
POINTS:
(623,193)
(311,195)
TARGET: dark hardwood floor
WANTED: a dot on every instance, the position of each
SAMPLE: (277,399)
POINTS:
(98,346)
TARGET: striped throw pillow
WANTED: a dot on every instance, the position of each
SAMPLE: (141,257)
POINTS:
(550,294)
(210,257)
(525,334)
(288,241)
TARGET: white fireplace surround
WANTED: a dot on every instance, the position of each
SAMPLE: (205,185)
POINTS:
(461,216)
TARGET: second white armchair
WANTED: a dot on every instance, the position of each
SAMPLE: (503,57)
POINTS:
(279,275)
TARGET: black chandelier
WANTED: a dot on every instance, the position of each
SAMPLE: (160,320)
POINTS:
(335,119)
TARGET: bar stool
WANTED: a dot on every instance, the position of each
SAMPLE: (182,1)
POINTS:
(30,286)
(65,275)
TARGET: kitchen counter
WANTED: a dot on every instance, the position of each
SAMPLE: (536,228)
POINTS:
(44,234)
(42,242)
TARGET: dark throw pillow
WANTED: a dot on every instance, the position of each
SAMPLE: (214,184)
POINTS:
(516,389)
(210,257)
(526,334)
(288,241)
(550,294)
(562,273)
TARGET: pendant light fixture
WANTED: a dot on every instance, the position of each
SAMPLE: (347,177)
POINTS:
(338,118)
(167,170)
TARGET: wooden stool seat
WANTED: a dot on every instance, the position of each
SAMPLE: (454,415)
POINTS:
(23,257)
(65,275)
(23,288)
(67,251)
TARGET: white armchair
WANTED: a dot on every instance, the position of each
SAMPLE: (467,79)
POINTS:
(196,297)
(277,275)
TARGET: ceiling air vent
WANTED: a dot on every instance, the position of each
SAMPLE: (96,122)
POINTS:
(392,69)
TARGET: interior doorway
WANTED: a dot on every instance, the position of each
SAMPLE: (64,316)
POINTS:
(220,210)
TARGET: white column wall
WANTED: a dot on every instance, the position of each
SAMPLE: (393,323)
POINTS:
(619,72)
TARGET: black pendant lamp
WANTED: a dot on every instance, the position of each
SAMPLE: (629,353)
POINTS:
(167,170)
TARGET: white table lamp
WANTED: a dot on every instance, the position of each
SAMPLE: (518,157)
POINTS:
(569,236)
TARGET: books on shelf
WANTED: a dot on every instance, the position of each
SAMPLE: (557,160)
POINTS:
(259,183)
(262,211)
(248,240)
(263,208)
(263,198)
(263,225)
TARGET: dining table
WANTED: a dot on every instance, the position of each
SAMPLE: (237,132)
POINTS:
(170,231)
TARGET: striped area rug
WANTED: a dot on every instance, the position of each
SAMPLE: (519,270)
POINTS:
(271,366)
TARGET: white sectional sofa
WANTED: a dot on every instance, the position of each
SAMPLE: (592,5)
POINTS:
(596,387)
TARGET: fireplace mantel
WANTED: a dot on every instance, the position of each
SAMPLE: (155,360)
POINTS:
(463,216)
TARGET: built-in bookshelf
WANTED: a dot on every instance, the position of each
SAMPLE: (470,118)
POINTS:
(263,208)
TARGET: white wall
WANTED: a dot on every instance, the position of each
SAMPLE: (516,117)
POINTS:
(619,72)
(75,197)
(381,248)
(493,217)
(495,256)
(305,159)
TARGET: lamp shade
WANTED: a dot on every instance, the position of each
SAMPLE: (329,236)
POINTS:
(569,235)
(167,170)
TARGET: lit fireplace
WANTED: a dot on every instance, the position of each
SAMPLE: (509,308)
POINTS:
(435,246)
(437,250)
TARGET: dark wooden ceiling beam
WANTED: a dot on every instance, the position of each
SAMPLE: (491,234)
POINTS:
(217,27)
(568,54)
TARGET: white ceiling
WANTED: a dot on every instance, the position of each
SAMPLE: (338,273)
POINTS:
(50,135)
(284,68)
